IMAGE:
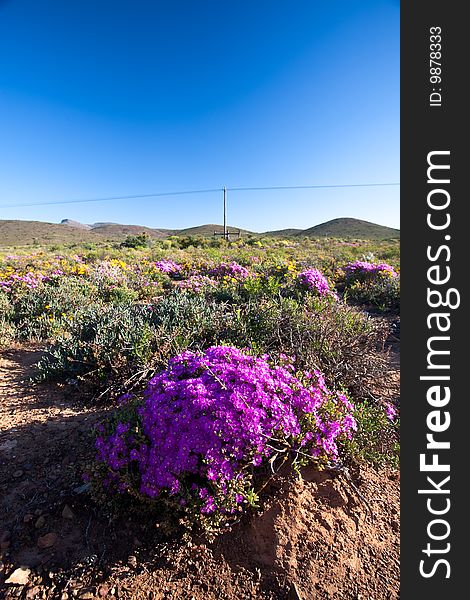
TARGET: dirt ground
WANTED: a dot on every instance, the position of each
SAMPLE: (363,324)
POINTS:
(323,536)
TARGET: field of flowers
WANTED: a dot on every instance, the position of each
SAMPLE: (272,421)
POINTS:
(222,361)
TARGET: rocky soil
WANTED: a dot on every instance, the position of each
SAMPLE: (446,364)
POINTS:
(326,535)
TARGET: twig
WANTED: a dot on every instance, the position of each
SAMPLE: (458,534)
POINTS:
(86,533)
(339,468)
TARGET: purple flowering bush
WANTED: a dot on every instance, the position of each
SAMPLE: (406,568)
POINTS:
(167,266)
(314,281)
(196,283)
(364,269)
(231,270)
(373,284)
(211,421)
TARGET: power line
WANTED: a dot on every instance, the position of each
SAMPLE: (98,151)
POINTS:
(309,187)
(184,192)
(133,197)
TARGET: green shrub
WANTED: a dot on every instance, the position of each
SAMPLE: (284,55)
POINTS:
(377,438)
(136,241)
(382,293)
(342,342)
(112,349)
(49,309)
(103,349)
(7,328)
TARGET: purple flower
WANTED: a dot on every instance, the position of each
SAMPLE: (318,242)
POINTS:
(316,282)
(390,411)
(366,269)
(124,399)
(167,266)
(209,415)
(233,270)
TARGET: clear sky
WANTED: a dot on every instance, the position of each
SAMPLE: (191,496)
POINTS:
(106,98)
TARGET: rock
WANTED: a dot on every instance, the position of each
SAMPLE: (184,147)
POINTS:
(82,489)
(64,596)
(19,576)
(47,541)
(86,595)
(41,521)
(103,591)
(33,592)
(67,512)
(17,474)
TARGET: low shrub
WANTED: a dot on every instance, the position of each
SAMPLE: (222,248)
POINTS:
(114,348)
(7,328)
(342,342)
(382,293)
(377,439)
(50,308)
(104,348)
(207,425)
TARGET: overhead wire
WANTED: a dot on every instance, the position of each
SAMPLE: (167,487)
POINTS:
(206,191)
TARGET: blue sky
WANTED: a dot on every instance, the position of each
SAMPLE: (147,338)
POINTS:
(104,98)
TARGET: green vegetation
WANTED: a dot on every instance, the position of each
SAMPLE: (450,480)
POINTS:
(112,315)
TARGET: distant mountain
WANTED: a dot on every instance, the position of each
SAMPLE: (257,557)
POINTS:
(25,233)
(283,233)
(75,224)
(115,230)
(207,230)
(94,225)
(347,227)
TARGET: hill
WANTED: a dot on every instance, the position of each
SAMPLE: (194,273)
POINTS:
(207,230)
(75,224)
(25,233)
(117,231)
(351,228)
(283,232)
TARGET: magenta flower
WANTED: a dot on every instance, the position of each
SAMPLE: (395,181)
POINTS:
(209,415)
(168,266)
(314,281)
(391,411)
(364,269)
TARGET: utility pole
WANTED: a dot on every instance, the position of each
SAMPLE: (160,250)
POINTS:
(225,214)
(226,233)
